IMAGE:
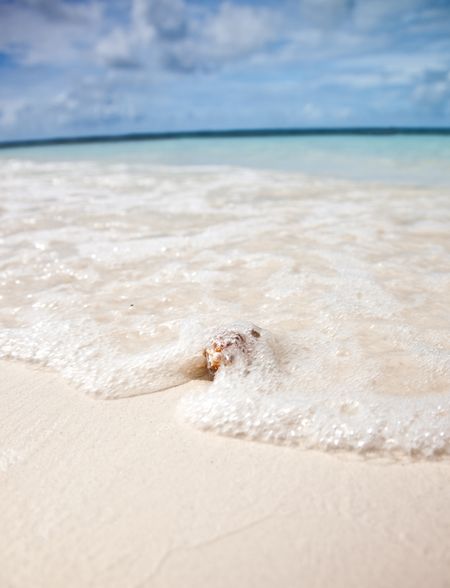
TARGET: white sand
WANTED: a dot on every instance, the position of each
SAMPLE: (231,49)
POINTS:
(121,494)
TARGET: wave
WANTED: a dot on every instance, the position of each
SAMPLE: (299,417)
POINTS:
(117,276)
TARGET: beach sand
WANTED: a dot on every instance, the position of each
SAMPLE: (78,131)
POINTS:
(122,494)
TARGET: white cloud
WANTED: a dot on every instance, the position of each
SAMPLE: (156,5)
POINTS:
(232,32)
(433,91)
(118,49)
(369,14)
(167,19)
(239,30)
(325,13)
(63,10)
(186,37)
(90,102)
(311,112)
(362,14)
(39,32)
(11,110)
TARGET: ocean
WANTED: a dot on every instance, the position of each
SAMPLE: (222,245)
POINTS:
(120,263)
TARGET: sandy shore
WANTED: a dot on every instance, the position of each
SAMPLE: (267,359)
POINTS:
(121,494)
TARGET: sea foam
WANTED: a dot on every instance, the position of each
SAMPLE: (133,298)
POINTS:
(117,276)
(296,391)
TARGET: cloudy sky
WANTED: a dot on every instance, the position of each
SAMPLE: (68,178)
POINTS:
(75,67)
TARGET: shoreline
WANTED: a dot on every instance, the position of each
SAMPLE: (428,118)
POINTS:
(300,177)
(124,494)
(323,160)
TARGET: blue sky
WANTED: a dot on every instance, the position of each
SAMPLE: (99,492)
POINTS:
(73,67)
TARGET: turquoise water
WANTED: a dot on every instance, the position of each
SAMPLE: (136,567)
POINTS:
(401,159)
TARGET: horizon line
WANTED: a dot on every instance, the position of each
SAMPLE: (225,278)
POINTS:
(228,133)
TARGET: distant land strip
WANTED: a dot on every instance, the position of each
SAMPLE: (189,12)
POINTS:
(228,134)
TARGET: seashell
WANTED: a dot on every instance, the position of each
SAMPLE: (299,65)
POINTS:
(230,343)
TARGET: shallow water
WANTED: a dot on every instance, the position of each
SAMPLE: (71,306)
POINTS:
(117,275)
(407,159)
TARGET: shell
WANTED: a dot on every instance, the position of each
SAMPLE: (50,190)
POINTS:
(229,343)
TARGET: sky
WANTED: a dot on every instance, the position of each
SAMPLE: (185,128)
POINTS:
(87,67)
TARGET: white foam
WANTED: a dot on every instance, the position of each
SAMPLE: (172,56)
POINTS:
(299,391)
(116,276)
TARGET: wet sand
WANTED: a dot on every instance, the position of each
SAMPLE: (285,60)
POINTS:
(123,494)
